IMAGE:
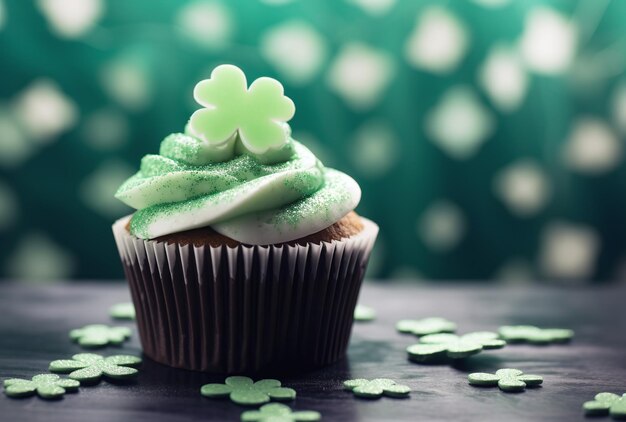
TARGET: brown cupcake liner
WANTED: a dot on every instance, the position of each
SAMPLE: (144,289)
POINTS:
(245,309)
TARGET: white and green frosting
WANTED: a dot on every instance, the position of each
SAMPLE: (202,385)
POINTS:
(247,179)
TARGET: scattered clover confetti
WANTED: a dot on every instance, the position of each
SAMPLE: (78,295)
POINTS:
(426,326)
(434,347)
(243,390)
(124,311)
(606,404)
(99,335)
(276,412)
(534,335)
(364,313)
(376,388)
(259,113)
(46,386)
(507,379)
(90,368)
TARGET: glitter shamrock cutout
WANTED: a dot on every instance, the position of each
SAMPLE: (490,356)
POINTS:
(276,412)
(46,386)
(376,388)
(534,335)
(364,313)
(259,113)
(434,347)
(426,326)
(507,379)
(90,368)
(606,404)
(99,335)
(123,311)
(243,390)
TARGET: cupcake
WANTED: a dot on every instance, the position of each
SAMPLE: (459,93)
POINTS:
(244,253)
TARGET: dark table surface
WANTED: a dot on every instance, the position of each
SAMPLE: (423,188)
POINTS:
(36,320)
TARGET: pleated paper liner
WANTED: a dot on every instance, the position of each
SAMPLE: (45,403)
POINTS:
(245,309)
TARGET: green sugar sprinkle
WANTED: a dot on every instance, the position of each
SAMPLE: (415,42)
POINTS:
(507,379)
(91,368)
(46,386)
(244,391)
(376,388)
(436,347)
(100,335)
(364,313)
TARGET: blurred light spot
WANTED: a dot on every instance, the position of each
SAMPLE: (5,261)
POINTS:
(438,41)
(375,149)
(8,207)
(374,7)
(98,188)
(459,123)
(441,226)
(407,273)
(592,147)
(515,271)
(127,82)
(3,15)
(523,187)
(503,78)
(276,2)
(39,258)
(295,49)
(360,74)
(44,111)
(548,43)
(14,147)
(208,23)
(105,129)
(492,3)
(619,107)
(316,147)
(569,251)
(71,18)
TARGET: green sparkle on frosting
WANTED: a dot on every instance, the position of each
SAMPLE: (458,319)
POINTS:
(256,114)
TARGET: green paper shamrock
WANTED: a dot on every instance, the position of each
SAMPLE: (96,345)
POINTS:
(276,412)
(125,311)
(46,386)
(509,380)
(436,346)
(90,368)
(376,388)
(99,335)
(364,313)
(242,390)
(606,403)
(534,335)
(259,113)
(426,326)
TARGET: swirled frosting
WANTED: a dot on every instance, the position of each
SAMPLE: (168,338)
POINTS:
(243,198)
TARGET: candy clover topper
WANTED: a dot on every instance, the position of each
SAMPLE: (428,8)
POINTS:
(258,114)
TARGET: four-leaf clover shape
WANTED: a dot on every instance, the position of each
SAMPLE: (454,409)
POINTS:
(259,113)
(507,379)
(436,346)
(376,388)
(606,403)
(90,368)
(423,327)
(243,390)
(100,335)
(276,412)
(46,386)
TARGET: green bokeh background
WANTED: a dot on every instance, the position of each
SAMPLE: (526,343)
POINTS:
(129,75)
